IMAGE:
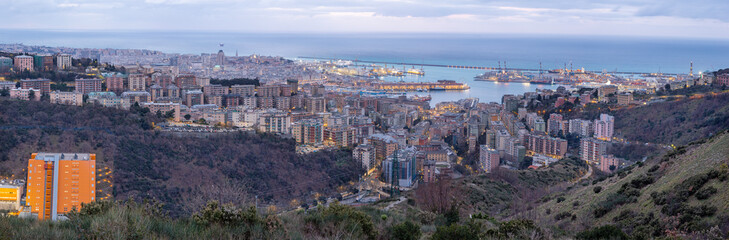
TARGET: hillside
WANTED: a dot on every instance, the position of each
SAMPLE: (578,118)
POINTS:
(676,122)
(182,171)
(507,191)
(681,193)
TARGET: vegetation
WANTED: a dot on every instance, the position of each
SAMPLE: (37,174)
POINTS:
(603,232)
(406,231)
(677,194)
(511,191)
(183,171)
(676,122)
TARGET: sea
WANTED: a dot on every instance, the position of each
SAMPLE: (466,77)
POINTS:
(595,53)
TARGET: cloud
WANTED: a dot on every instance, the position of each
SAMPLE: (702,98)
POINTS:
(617,17)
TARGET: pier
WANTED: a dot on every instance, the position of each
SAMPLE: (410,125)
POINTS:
(477,67)
(413,86)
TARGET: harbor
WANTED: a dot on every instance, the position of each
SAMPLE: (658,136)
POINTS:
(440,85)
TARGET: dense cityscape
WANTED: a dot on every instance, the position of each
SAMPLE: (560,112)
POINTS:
(399,141)
(403,120)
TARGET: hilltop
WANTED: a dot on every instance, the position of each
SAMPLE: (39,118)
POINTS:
(182,171)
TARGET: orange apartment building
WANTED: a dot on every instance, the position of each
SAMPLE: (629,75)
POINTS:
(58,182)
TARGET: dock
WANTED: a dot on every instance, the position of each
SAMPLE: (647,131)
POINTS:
(477,67)
(415,86)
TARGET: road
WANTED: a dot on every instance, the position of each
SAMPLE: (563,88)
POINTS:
(402,199)
(587,175)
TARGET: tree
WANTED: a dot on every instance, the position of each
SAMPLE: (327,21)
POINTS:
(603,232)
(406,231)
(170,114)
(452,216)
(187,117)
(4,92)
(612,168)
(526,162)
(456,231)
(667,87)
(31,95)
(45,97)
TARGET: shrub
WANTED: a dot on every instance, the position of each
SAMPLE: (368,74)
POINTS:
(94,208)
(560,199)
(705,193)
(456,231)
(452,215)
(597,189)
(641,181)
(603,232)
(516,229)
(612,201)
(654,168)
(214,213)
(681,192)
(562,215)
(406,231)
(328,220)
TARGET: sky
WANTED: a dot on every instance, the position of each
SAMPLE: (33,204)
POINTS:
(664,18)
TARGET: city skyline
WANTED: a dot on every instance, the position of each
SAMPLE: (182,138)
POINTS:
(704,19)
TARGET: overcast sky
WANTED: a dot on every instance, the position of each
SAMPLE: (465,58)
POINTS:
(675,18)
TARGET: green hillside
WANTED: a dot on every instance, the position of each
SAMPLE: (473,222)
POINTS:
(682,193)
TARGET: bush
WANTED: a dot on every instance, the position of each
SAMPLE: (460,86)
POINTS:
(681,192)
(405,231)
(516,229)
(452,215)
(328,221)
(215,213)
(603,232)
(705,193)
(560,199)
(641,181)
(597,189)
(456,232)
(562,215)
(611,202)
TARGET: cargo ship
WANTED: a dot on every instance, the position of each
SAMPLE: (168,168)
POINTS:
(503,76)
(512,77)
(414,71)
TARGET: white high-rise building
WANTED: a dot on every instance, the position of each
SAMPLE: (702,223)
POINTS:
(63,61)
(604,127)
(488,159)
(581,127)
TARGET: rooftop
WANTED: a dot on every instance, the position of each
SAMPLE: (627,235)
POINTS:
(64,156)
